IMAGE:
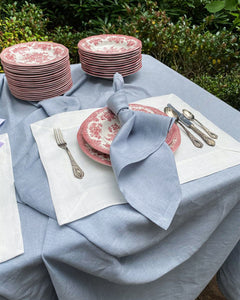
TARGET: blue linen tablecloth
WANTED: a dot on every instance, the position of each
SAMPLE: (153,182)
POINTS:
(116,252)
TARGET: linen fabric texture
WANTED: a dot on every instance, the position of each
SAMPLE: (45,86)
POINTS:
(143,163)
(117,252)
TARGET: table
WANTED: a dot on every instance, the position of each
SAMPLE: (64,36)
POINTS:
(102,256)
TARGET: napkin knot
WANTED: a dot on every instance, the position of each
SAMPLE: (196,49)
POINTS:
(118,102)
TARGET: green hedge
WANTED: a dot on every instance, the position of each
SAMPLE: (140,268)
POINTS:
(202,52)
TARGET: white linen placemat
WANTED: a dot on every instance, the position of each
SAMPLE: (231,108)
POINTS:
(11,243)
(74,198)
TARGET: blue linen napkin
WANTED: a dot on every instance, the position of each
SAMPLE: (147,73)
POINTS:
(143,163)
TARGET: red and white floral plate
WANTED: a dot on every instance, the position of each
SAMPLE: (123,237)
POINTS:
(109,44)
(37,70)
(109,74)
(33,54)
(99,129)
(94,154)
(104,55)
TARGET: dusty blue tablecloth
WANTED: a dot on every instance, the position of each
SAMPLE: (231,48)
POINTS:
(117,253)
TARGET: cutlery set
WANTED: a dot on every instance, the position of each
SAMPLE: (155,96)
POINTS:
(183,119)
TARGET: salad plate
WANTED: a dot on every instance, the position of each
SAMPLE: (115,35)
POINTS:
(109,44)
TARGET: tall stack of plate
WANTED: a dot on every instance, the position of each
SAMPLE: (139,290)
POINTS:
(103,55)
(37,70)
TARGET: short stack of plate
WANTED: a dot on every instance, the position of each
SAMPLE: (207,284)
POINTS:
(37,70)
(104,55)
(98,130)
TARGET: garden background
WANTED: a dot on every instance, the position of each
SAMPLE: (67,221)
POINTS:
(197,38)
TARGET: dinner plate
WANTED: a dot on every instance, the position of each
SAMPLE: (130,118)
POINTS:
(39,78)
(40,83)
(111,72)
(41,95)
(103,62)
(104,55)
(100,128)
(37,70)
(33,54)
(114,69)
(110,57)
(94,154)
(111,75)
(105,44)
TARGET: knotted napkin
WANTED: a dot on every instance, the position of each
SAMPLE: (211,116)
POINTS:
(143,163)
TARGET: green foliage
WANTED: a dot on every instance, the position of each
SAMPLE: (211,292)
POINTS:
(222,4)
(191,9)
(83,15)
(59,12)
(68,37)
(92,13)
(192,50)
(233,6)
(224,86)
(192,42)
(25,25)
(187,49)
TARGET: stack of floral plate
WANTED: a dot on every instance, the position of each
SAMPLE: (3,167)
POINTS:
(37,70)
(103,55)
(98,131)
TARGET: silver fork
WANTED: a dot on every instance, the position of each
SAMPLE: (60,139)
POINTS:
(77,171)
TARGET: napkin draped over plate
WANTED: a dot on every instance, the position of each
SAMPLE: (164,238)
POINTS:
(143,163)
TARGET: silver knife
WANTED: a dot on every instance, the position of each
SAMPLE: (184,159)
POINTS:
(189,124)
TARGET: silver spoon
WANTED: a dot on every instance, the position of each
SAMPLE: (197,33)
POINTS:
(171,113)
(190,116)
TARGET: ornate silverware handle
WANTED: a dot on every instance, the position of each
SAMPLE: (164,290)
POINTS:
(77,171)
(206,139)
(211,134)
(193,139)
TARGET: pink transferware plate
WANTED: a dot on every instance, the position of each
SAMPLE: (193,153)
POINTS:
(109,44)
(113,68)
(40,94)
(112,71)
(38,82)
(94,154)
(43,78)
(41,91)
(33,53)
(54,83)
(110,75)
(37,69)
(110,56)
(103,62)
(100,128)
